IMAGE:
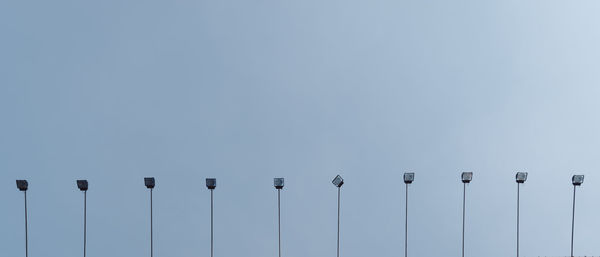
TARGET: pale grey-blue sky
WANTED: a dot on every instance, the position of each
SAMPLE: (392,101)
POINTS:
(245,91)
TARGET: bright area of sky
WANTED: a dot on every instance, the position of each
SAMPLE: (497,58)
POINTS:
(244,91)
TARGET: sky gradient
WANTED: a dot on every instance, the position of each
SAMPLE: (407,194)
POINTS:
(245,91)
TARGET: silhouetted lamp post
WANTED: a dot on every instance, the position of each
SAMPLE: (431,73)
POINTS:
(22,185)
(83,186)
(338,181)
(521,177)
(408,179)
(278,183)
(577,181)
(211,184)
(466,178)
(149,182)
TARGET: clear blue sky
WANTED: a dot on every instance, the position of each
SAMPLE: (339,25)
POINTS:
(244,91)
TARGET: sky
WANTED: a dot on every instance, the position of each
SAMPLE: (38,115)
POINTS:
(245,91)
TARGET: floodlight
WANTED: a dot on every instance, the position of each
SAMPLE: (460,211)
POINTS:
(521,177)
(409,177)
(338,181)
(22,185)
(149,182)
(278,182)
(82,185)
(211,183)
(467,177)
(577,180)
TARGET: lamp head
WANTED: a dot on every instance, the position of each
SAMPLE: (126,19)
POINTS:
(149,182)
(278,183)
(521,177)
(467,177)
(211,183)
(577,180)
(338,181)
(409,178)
(82,185)
(22,185)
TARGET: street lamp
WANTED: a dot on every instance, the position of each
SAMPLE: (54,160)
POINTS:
(466,178)
(577,181)
(22,185)
(149,182)
(211,184)
(338,181)
(278,183)
(83,186)
(408,179)
(521,177)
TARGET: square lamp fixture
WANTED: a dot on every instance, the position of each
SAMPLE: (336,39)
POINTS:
(211,183)
(466,177)
(149,182)
(338,181)
(22,185)
(577,180)
(521,177)
(278,182)
(409,177)
(82,185)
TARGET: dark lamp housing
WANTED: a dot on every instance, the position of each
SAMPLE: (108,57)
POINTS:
(467,177)
(149,182)
(338,181)
(211,183)
(521,177)
(278,183)
(22,185)
(82,185)
(577,180)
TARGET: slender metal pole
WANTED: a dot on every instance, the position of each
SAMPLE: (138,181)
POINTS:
(463,224)
(84,221)
(279,217)
(406,225)
(573,221)
(338,230)
(26,235)
(151,227)
(518,204)
(211,223)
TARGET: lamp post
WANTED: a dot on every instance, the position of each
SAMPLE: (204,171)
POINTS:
(521,177)
(466,178)
(22,185)
(408,179)
(83,186)
(577,181)
(278,183)
(149,182)
(338,181)
(211,184)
